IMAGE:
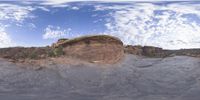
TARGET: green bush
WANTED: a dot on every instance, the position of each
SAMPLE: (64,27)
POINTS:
(33,55)
(51,54)
(58,51)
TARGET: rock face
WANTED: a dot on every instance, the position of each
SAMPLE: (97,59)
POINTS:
(98,49)
(136,50)
(18,53)
(151,51)
(148,51)
(59,42)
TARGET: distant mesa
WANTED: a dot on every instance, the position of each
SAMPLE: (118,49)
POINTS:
(98,49)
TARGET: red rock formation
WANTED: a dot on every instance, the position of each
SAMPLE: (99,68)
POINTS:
(149,51)
(136,50)
(101,49)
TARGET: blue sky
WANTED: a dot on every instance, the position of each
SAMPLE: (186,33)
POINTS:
(166,24)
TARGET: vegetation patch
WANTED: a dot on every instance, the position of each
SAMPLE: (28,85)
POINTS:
(58,51)
(86,39)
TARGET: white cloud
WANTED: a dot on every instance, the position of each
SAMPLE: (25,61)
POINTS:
(5,40)
(75,8)
(52,32)
(58,2)
(148,24)
(32,26)
(15,12)
(55,3)
(43,8)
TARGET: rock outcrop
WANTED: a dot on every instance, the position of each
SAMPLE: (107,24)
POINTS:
(151,51)
(59,42)
(136,50)
(20,53)
(148,51)
(97,49)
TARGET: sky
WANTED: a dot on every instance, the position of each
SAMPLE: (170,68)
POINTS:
(166,24)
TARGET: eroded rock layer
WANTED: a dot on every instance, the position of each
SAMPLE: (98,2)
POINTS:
(100,49)
(150,51)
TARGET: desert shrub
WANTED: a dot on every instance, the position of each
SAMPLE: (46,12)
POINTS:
(62,40)
(21,55)
(33,55)
(87,42)
(58,51)
(51,53)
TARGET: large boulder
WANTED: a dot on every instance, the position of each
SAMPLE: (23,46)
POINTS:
(98,49)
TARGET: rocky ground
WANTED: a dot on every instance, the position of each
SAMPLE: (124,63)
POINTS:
(133,78)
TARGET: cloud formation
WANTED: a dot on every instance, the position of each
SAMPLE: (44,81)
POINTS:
(52,32)
(15,12)
(12,13)
(5,40)
(58,2)
(168,26)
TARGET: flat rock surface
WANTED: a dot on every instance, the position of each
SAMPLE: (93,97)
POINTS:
(134,78)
